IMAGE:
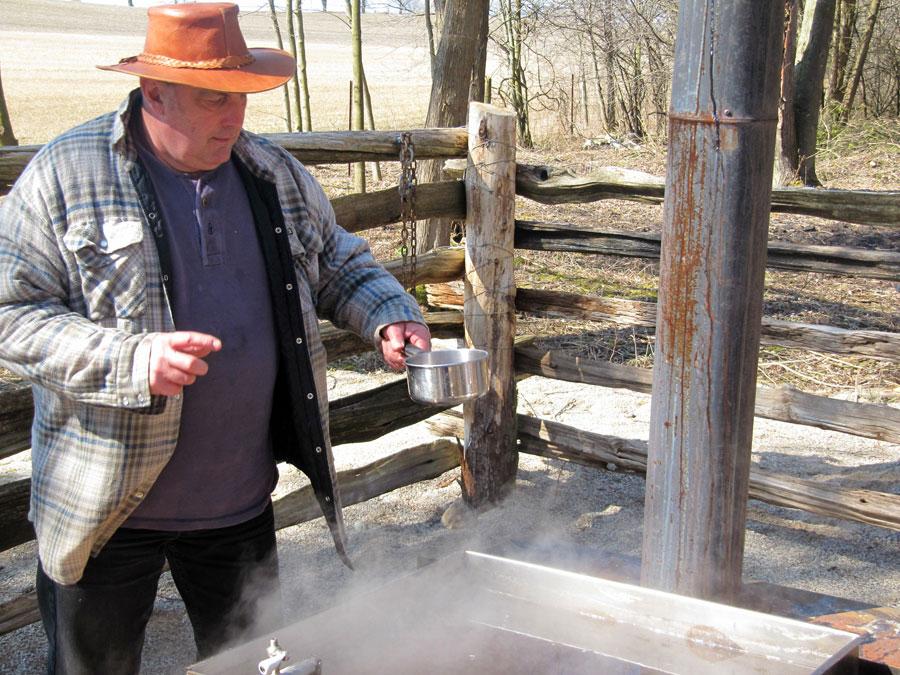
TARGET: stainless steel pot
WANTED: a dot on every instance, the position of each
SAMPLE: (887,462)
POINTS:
(446,376)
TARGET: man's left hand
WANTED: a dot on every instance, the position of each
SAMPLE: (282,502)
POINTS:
(394,338)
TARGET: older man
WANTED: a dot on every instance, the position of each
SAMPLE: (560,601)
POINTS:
(161,273)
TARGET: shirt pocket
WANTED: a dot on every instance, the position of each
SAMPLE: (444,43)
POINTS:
(306,262)
(110,260)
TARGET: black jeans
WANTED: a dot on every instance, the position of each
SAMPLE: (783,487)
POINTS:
(227,577)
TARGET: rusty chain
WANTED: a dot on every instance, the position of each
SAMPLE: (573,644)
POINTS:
(407,190)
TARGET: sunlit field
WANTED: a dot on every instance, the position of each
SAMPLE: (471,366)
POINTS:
(49,49)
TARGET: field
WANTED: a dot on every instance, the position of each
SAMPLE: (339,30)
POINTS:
(48,49)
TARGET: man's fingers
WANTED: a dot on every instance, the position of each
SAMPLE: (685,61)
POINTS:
(186,363)
(176,360)
(192,342)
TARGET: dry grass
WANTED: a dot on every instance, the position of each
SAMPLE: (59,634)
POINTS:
(51,84)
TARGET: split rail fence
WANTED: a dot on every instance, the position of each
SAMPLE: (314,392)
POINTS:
(370,414)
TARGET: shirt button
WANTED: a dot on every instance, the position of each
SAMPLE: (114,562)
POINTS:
(165,277)
(205,201)
(177,397)
(125,400)
(318,450)
(290,287)
(152,215)
(103,243)
(277,230)
(327,498)
(138,495)
(299,341)
(140,398)
(310,396)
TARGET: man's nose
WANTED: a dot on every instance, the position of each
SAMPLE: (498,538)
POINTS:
(237,105)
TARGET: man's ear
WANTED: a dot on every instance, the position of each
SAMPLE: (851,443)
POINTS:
(151,91)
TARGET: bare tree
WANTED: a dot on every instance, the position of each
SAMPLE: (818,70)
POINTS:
(787,158)
(301,70)
(866,40)
(453,74)
(287,97)
(359,168)
(813,43)
(7,137)
(292,45)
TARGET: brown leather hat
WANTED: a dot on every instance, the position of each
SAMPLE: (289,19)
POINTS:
(200,44)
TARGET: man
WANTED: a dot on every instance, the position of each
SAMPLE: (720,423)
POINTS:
(161,272)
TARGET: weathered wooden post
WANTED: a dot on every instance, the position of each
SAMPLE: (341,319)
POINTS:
(490,457)
(721,146)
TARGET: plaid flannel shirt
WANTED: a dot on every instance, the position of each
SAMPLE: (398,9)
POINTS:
(82,292)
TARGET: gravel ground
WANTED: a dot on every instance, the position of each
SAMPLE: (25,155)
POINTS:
(557,509)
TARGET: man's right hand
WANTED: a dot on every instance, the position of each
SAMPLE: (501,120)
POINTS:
(176,360)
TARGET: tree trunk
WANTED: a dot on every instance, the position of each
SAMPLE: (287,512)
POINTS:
(7,137)
(845,22)
(813,44)
(359,169)
(788,160)
(301,70)
(479,69)
(284,87)
(292,43)
(874,6)
(429,30)
(452,80)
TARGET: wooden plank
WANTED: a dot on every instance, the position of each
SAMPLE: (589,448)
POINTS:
(332,147)
(491,459)
(16,413)
(372,413)
(784,404)
(356,212)
(819,338)
(549,185)
(422,462)
(19,612)
(15,528)
(409,466)
(838,260)
(360,417)
(550,439)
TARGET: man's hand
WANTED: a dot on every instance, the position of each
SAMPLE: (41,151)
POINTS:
(176,360)
(394,338)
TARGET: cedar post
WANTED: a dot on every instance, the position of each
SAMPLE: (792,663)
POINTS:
(490,457)
(718,189)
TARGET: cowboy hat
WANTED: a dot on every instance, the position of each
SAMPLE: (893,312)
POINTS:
(201,45)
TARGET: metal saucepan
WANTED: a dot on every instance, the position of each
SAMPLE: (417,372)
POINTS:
(446,376)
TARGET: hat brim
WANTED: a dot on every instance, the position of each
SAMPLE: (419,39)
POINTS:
(270,68)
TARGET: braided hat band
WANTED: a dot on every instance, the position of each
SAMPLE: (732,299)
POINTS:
(208,64)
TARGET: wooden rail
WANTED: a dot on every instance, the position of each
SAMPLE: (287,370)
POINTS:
(544,184)
(373,413)
(814,337)
(554,440)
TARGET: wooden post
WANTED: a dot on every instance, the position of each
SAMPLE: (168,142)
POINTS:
(490,456)
(721,147)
